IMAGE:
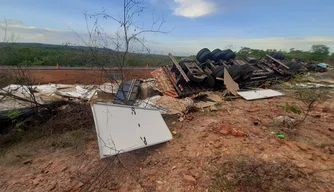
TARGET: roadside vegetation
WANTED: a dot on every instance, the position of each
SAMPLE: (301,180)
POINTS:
(12,54)
(34,54)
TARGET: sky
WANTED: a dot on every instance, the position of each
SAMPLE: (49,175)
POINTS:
(191,24)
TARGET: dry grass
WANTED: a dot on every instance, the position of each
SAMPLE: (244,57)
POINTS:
(249,174)
(70,127)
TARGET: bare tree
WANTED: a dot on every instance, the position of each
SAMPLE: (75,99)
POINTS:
(112,50)
(16,74)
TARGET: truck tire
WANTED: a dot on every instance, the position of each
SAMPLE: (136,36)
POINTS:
(197,78)
(246,71)
(311,67)
(200,53)
(294,67)
(204,56)
(210,81)
(235,72)
(218,72)
(215,51)
(218,56)
(230,55)
(275,55)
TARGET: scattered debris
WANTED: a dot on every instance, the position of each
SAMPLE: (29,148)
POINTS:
(281,136)
(284,119)
(127,92)
(314,85)
(189,179)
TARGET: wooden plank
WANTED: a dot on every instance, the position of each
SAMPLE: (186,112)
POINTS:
(231,85)
(179,67)
(278,61)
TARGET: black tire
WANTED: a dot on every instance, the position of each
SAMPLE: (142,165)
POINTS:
(228,50)
(218,72)
(182,63)
(210,81)
(197,78)
(215,51)
(204,56)
(275,55)
(229,56)
(282,57)
(200,53)
(246,71)
(311,67)
(235,72)
(294,67)
(218,56)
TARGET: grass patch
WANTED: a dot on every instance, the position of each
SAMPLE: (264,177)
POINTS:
(23,150)
(254,174)
(71,127)
(67,118)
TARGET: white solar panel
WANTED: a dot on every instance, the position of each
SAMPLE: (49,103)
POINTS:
(123,128)
(259,94)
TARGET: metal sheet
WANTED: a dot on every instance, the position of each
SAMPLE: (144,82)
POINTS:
(122,128)
(259,94)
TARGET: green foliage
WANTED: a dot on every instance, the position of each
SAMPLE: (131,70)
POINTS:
(13,114)
(311,97)
(318,53)
(51,55)
(290,108)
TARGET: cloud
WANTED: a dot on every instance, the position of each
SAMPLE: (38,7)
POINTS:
(194,8)
(169,44)
(35,34)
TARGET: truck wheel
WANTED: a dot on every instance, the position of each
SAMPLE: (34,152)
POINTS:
(246,71)
(215,51)
(210,81)
(218,56)
(311,67)
(196,77)
(294,67)
(235,72)
(200,53)
(218,72)
(204,56)
(230,55)
(275,55)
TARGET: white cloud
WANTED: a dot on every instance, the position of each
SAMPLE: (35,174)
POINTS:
(194,8)
(166,44)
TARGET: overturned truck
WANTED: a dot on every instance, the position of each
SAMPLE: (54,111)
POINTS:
(206,72)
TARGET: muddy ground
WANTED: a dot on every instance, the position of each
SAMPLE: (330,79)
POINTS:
(201,157)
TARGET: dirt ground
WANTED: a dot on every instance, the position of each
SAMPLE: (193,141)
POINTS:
(81,76)
(70,162)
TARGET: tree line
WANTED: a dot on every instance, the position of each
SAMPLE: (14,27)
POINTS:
(51,55)
(318,53)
